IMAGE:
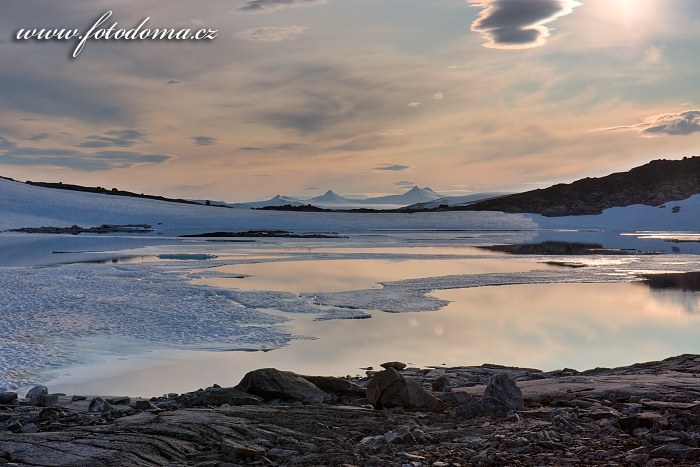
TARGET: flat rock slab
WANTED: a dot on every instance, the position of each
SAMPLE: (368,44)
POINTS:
(640,415)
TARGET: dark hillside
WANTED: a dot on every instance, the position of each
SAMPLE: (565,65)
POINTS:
(653,184)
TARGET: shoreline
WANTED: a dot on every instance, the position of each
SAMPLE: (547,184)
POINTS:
(644,414)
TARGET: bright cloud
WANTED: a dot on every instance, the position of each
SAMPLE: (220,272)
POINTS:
(518,24)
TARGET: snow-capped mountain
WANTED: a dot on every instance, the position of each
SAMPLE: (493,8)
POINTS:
(330,197)
(412,196)
(278,200)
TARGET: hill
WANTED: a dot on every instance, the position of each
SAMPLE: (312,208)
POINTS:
(412,196)
(652,184)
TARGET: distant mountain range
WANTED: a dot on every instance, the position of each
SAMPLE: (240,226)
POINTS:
(332,200)
(653,184)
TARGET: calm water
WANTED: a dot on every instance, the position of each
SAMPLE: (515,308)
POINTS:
(546,326)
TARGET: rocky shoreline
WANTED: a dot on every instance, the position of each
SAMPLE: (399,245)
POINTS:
(641,415)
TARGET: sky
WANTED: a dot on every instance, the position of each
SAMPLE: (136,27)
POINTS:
(365,97)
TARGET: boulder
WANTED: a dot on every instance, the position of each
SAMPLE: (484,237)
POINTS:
(441,384)
(270,383)
(333,384)
(398,366)
(218,396)
(502,394)
(99,405)
(37,391)
(501,397)
(8,398)
(390,389)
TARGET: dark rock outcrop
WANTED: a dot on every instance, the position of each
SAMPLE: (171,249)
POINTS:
(270,383)
(389,389)
(653,184)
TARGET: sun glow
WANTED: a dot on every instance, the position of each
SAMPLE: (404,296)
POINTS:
(630,14)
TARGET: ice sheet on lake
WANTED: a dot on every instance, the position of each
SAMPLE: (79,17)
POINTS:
(46,312)
(52,317)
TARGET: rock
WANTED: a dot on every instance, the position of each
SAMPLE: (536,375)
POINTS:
(270,383)
(7,398)
(239,450)
(144,405)
(678,451)
(119,401)
(217,396)
(37,391)
(398,366)
(338,385)
(503,394)
(78,398)
(14,426)
(441,384)
(99,405)
(389,389)
(46,400)
(29,428)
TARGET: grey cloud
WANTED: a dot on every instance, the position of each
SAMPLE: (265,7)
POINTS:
(392,167)
(518,23)
(673,124)
(203,140)
(11,154)
(266,6)
(6,144)
(56,95)
(173,81)
(669,124)
(118,138)
(36,137)
(284,147)
(405,184)
(269,34)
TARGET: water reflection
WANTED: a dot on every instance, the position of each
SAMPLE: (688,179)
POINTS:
(538,326)
(354,274)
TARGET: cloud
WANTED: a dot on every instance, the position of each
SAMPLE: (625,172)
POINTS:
(438,96)
(267,6)
(12,154)
(269,34)
(673,124)
(669,124)
(393,133)
(203,140)
(414,104)
(392,167)
(173,81)
(404,184)
(283,147)
(653,55)
(518,24)
(36,137)
(113,138)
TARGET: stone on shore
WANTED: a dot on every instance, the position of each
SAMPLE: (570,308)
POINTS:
(333,384)
(37,391)
(389,389)
(8,398)
(99,405)
(398,366)
(501,397)
(217,396)
(270,383)
(503,394)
